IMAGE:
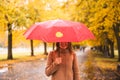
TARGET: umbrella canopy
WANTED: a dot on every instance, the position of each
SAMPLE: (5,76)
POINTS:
(59,31)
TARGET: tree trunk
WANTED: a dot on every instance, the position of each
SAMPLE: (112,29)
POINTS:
(53,46)
(118,42)
(32,50)
(101,48)
(106,51)
(45,48)
(111,46)
(112,49)
(116,31)
(9,42)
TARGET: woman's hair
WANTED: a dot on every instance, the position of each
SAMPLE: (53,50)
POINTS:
(69,47)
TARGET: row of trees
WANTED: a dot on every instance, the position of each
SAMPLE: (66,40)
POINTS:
(101,16)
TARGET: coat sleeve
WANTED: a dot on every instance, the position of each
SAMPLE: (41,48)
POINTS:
(76,71)
(51,67)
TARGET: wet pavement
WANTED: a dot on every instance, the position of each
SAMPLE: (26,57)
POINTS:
(32,70)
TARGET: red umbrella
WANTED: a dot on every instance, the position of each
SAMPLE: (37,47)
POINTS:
(59,31)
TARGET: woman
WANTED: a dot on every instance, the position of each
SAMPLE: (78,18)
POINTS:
(62,63)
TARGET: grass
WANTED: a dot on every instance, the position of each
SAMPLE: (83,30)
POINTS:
(16,55)
(20,58)
(107,63)
(97,60)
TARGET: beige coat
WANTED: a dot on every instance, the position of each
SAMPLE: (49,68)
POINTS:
(67,70)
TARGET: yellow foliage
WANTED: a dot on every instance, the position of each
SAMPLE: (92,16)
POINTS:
(19,40)
(91,12)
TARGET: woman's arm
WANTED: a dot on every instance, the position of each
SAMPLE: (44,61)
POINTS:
(51,66)
(76,72)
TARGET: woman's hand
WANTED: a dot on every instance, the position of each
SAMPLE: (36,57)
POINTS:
(58,60)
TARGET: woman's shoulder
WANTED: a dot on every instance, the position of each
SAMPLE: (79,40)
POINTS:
(52,52)
(73,53)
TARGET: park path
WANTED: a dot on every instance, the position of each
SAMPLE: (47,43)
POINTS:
(33,70)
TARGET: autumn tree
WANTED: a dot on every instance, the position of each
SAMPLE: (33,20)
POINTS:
(11,17)
(99,16)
